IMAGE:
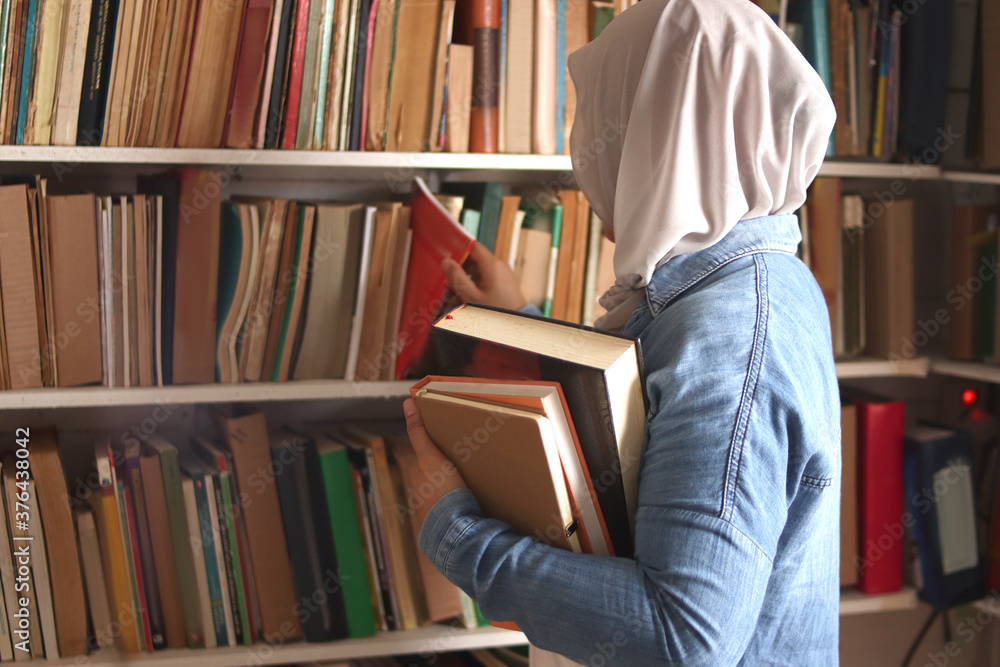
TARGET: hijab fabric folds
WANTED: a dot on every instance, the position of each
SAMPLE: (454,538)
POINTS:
(691,116)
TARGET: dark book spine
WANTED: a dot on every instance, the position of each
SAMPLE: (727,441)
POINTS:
(154,609)
(272,132)
(227,556)
(359,76)
(96,67)
(213,571)
(170,191)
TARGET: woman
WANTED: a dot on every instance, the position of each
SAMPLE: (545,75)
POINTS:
(698,128)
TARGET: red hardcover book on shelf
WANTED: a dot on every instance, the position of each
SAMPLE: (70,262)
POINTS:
(880,496)
(291,119)
(436,235)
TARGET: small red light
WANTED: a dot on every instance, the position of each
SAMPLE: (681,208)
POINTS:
(968,397)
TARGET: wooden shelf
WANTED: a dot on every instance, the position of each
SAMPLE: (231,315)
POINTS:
(854,602)
(851,169)
(435,639)
(869,368)
(301,390)
(967,369)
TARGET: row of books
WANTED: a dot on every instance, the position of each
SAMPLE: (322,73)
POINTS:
(175,286)
(909,83)
(223,538)
(909,506)
(861,253)
(294,74)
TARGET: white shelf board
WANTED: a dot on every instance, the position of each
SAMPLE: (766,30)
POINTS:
(854,602)
(969,370)
(849,169)
(868,368)
(434,639)
(300,390)
(971,177)
(282,158)
(220,157)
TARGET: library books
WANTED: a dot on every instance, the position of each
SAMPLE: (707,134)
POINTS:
(600,375)
(291,74)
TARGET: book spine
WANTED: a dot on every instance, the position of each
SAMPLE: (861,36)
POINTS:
(358,87)
(550,281)
(27,71)
(560,109)
(272,129)
(295,77)
(324,70)
(154,611)
(236,559)
(212,570)
(182,554)
(347,543)
(231,569)
(484,120)
(134,566)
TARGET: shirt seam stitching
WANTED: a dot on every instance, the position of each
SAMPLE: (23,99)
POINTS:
(747,395)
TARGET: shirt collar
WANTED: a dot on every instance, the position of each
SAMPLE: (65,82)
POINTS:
(770,233)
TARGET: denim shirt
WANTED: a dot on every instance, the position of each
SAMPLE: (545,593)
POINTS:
(737,528)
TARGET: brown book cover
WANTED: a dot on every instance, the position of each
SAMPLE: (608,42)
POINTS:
(435,137)
(379,69)
(520,74)
(17,283)
(849,495)
(577,35)
(293,314)
(561,297)
(163,551)
(175,74)
(154,79)
(839,15)
(274,213)
(373,355)
(411,94)
(246,438)
(249,72)
(64,562)
(196,277)
(506,227)
(825,230)
(282,290)
(76,294)
(889,320)
(458,107)
(397,290)
(966,223)
(443,598)
(210,74)
(520,483)
(578,269)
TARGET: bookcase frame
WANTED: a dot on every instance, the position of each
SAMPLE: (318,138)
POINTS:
(392,172)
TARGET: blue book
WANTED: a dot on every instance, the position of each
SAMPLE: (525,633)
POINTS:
(811,14)
(27,69)
(560,73)
(939,490)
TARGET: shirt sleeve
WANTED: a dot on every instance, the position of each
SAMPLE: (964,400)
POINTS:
(531,309)
(692,595)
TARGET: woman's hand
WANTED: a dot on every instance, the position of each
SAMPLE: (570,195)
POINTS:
(492,281)
(433,475)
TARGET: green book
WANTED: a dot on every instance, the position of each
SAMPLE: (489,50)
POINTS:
(602,14)
(220,467)
(485,198)
(127,537)
(177,515)
(470,220)
(347,540)
(324,68)
(550,281)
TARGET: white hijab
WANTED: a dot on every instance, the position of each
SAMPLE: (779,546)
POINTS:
(691,115)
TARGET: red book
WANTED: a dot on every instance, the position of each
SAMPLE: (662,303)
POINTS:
(484,121)
(880,496)
(295,75)
(250,70)
(436,235)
